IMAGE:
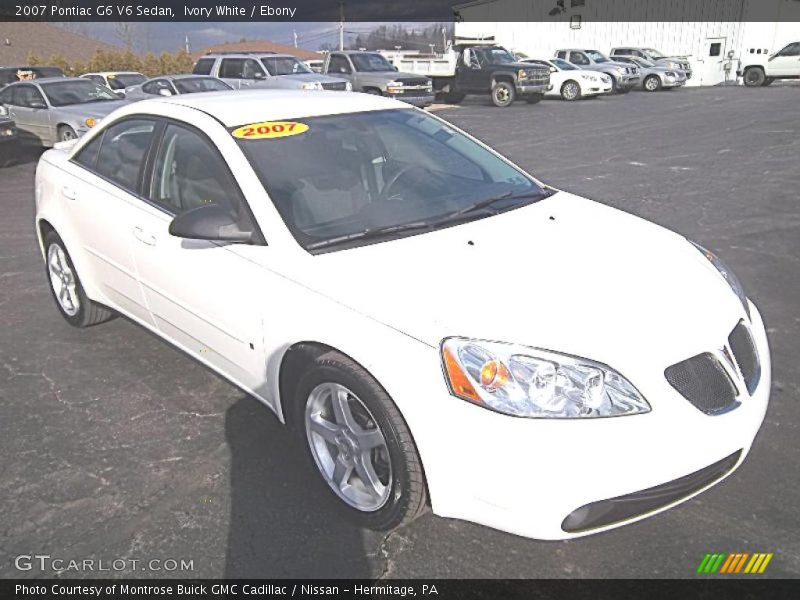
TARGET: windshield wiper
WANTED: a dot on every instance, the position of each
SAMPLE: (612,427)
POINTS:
(487,202)
(379,232)
(367,234)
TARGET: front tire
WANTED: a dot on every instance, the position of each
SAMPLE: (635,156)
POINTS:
(66,288)
(66,133)
(754,76)
(571,90)
(359,443)
(652,83)
(503,94)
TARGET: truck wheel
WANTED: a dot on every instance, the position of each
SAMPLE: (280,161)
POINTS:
(570,90)
(652,83)
(66,133)
(534,98)
(503,94)
(453,98)
(754,76)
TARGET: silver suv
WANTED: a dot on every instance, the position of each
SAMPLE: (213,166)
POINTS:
(265,70)
(623,76)
(653,55)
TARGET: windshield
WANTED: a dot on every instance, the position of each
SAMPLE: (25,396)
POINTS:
(643,63)
(76,91)
(493,56)
(564,65)
(653,53)
(393,172)
(597,56)
(190,85)
(284,65)
(119,81)
(371,63)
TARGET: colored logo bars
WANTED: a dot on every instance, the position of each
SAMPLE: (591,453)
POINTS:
(740,562)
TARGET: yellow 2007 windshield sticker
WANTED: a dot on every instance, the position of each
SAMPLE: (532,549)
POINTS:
(269,129)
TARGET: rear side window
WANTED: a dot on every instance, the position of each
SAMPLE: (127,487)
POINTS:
(578,58)
(562,54)
(203,66)
(338,64)
(123,151)
(87,157)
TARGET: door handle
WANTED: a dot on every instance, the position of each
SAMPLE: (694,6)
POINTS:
(142,236)
(68,193)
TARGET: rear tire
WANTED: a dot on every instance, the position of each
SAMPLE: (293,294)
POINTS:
(503,94)
(358,442)
(754,77)
(66,288)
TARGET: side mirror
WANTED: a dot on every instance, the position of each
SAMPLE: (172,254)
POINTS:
(208,222)
(259,75)
(395,68)
(164,92)
(3,111)
(553,70)
(37,104)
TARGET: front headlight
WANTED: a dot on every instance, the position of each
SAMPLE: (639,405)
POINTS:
(522,74)
(529,382)
(727,274)
(315,85)
(672,65)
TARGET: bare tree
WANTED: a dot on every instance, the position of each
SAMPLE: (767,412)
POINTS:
(128,33)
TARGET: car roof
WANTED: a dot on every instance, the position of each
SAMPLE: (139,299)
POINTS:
(239,107)
(112,73)
(39,80)
(264,54)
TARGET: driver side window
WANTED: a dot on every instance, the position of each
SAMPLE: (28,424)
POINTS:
(578,58)
(791,50)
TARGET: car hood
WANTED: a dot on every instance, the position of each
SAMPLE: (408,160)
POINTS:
(96,110)
(566,274)
(322,78)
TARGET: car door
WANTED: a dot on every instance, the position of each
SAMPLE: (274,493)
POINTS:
(469,75)
(205,296)
(102,198)
(785,63)
(31,113)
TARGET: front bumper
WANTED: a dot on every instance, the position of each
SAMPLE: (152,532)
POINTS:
(421,99)
(528,476)
(670,82)
(526,89)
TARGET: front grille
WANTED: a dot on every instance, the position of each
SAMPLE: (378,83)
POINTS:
(744,351)
(539,77)
(338,86)
(412,82)
(703,381)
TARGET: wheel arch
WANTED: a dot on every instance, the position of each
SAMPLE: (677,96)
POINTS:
(504,76)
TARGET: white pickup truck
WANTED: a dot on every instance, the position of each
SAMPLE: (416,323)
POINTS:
(762,69)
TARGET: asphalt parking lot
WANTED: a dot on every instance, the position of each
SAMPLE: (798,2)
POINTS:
(116,446)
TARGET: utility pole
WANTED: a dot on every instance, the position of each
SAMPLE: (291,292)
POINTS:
(444,40)
(341,25)
(186,43)
(294,35)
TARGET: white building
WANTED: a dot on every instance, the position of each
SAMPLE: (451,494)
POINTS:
(714,34)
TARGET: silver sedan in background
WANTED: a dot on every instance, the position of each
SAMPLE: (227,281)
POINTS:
(655,77)
(174,85)
(56,109)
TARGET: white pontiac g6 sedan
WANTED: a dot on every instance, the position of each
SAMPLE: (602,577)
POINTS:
(439,327)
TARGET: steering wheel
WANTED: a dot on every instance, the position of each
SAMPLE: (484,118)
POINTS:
(384,195)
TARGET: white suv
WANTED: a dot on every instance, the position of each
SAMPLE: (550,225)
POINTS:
(758,69)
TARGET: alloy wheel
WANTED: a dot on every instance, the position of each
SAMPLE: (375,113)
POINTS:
(62,279)
(348,447)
